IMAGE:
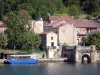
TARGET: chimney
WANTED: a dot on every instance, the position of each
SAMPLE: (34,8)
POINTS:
(41,19)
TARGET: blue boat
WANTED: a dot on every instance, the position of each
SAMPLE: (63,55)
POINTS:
(25,61)
(22,59)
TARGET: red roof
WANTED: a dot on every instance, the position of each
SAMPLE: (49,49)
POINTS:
(60,17)
(83,24)
(58,26)
(78,23)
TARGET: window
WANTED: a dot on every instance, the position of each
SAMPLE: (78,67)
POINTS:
(52,44)
(51,38)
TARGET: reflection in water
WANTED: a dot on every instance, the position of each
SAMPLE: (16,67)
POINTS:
(2,68)
(54,68)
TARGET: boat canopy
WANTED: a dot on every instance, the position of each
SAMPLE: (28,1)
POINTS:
(21,55)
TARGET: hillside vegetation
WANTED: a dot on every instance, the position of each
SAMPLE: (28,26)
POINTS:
(43,8)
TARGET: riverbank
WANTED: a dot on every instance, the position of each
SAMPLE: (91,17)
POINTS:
(42,60)
(52,59)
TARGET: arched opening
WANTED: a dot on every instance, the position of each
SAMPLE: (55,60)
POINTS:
(86,58)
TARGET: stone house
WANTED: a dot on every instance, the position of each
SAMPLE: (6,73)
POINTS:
(37,26)
(82,27)
(66,33)
(49,39)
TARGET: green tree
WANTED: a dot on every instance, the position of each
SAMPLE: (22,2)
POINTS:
(70,2)
(19,31)
(17,26)
(3,40)
(73,10)
(94,39)
(31,41)
(35,8)
(96,13)
(90,5)
(1,9)
(85,41)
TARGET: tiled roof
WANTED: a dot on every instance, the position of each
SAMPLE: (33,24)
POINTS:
(60,17)
(78,23)
(56,27)
(83,24)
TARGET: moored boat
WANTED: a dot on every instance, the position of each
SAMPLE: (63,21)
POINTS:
(21,59)
(25,61)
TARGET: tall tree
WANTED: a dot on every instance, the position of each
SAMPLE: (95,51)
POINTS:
(1,9)
(70,2)
(90,5)
(36,8)
(93,39)
(31,41)
(19,33)
(73,10)
(16,28)
(3,40)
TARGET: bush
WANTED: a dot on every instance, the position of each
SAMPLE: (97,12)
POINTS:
(73,10)
(96,13)
(89,17)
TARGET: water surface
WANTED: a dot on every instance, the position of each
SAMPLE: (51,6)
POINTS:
(58,68)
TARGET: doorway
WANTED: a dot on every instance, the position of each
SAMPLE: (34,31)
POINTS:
(86,58)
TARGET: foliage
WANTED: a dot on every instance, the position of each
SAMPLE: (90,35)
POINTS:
(63,11)
(96,13)
(18,31)
(73,10)
(3,40)
(90,5)
(87,6)
(16,28)
(41,8)
(32,40)
(85,41)
(89,17)
(70,2)
(94,39)
(35,8)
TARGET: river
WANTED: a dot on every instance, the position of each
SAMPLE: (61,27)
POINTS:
(53,68)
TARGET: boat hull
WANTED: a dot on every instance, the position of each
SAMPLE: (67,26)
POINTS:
(31,61)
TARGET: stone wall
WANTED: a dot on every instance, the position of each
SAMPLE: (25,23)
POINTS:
(86,50)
